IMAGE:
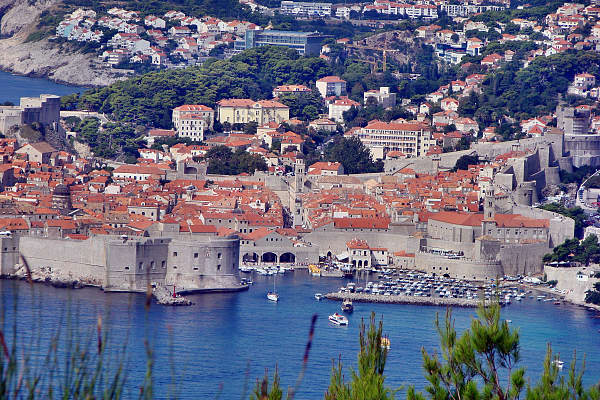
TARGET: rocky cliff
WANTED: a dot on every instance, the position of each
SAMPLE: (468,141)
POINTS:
(43,58)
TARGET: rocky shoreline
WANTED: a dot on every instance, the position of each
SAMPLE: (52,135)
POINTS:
(43,58)
(47,276)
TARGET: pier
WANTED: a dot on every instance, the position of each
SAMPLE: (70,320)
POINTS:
(402,299)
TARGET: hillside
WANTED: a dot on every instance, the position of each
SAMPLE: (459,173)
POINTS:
(26,25)
(19,19)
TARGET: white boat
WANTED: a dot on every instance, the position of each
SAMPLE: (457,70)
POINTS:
(273,295)
(558,363)
(245,269)
(319,296)
(262,271)
(338,319)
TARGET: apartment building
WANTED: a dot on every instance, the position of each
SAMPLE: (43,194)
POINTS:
(331,86)
(305,9)
(412,139)
(192,120)
(241,111)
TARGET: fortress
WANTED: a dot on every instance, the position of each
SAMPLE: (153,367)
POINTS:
(44,110)
(130,264)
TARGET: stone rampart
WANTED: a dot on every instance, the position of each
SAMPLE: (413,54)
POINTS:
(574,288)
(80,260)
(462,268)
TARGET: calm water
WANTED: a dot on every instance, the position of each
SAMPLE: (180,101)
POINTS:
(225,340)
(13,87)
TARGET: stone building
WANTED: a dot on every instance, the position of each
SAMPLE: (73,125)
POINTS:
(44,110)
(37,152)
(61,199)
(242,111)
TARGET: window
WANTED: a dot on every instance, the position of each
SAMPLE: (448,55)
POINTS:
(163,264)
(141,265)
(174,266)
(195,255)
(174,254)
(195,268)
(127,268)
(218,267)
(219,256)
(151,264)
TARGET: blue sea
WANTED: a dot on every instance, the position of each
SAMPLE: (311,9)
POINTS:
(13,87)
(222,344)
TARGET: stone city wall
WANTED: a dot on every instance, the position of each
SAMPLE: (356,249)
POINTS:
(462,268)
(567,280)
(335,240)
(79,260)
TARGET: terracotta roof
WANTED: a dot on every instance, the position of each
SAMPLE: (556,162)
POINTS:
(457,218)
(331,79)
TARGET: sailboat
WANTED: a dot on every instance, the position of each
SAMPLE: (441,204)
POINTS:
(273,296)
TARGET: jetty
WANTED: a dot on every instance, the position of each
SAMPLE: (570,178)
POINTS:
(402,299)
(164,297)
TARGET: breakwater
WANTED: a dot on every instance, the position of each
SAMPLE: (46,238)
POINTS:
(400,299)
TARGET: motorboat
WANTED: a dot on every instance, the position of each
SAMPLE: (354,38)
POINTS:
(338,319)
(319,296)
(347,306)
(246,269)
(314,270)
(262,271)
(385,343)
(558,363)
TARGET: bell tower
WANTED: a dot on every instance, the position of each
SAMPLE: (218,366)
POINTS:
(296,189)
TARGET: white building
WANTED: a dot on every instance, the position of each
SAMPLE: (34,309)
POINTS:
(412,139)
(338,107)
(191,120)
(383,96)
(331,86)
(306,9)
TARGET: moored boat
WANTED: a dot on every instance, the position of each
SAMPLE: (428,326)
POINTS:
(347,306)
(385,343)
(319,296)
(338,319)
(273,296)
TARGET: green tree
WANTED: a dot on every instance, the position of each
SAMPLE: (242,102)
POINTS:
(353,155)
(368,382)
(464,161)
(484,353)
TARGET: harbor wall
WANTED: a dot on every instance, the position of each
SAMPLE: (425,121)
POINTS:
(76,260)
(567,280)
(204,266)
(9,255)
(132,265)
(129,264)
(522,259)
(462,268)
